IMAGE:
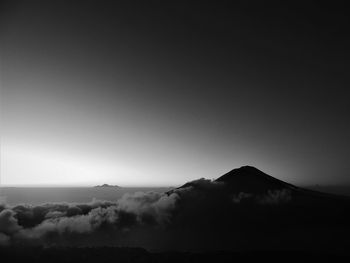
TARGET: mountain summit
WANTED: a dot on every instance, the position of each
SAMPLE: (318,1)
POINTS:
(252,180)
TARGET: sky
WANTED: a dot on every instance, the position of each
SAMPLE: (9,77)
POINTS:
(158,93)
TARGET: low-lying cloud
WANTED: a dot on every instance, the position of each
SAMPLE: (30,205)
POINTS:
(24,222)
(132,215)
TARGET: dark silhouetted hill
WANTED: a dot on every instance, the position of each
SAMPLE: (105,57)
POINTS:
(248,209)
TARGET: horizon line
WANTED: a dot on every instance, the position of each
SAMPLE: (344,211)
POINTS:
(83,186)
(140,186)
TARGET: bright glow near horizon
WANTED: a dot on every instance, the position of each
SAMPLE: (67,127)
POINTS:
(119,97)
(37,166)
(29,165)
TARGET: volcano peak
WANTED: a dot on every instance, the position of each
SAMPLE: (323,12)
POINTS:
(251,180)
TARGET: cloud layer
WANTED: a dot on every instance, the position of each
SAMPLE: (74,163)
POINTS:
(24,222)
(133,218)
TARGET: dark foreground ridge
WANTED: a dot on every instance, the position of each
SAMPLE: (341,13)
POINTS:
(115,254)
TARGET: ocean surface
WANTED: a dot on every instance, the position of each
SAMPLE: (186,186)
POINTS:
(41,195)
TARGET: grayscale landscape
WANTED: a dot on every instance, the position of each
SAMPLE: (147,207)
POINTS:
(174,131)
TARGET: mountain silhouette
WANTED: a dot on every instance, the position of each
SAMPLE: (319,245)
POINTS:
(246,179)
(249,209)
(251,180)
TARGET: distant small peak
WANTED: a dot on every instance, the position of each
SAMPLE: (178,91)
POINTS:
(106,185)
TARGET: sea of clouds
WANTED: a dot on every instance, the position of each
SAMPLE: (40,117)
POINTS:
(133,216)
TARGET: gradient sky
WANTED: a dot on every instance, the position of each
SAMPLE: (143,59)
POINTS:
(153,93)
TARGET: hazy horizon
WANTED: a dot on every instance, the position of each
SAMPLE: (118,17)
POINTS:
(116,185)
